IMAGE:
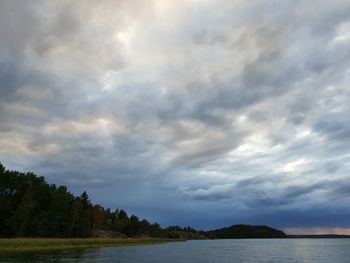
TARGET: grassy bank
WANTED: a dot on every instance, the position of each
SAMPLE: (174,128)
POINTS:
(17,245)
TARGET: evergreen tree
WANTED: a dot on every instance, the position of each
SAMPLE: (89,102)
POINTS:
(23,213)
(29,206)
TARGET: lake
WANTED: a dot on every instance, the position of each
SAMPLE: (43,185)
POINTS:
(211,251)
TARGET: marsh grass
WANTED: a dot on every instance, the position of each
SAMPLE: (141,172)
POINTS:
(17,245)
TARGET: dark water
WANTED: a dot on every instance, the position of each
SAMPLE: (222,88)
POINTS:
(211,251)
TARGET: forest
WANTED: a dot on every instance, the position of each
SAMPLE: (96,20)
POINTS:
(31,207)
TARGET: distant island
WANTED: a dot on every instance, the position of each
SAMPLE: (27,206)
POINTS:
(30,207)
(246,231)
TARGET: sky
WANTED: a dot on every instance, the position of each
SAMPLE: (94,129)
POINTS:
(191,112)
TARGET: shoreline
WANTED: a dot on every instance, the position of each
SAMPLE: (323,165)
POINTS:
(30,245)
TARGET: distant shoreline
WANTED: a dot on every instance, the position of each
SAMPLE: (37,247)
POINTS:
(318,236)
(29,245)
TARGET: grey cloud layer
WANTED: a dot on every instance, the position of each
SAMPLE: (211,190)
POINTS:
(239,104)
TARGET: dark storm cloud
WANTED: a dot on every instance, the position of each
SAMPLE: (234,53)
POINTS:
(335,128)
(220,108)
(9,78)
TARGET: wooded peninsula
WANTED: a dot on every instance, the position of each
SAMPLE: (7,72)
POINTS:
(32,208)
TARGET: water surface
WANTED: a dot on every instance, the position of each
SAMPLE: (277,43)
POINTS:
(210,251)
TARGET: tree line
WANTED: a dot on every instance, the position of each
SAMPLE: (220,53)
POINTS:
(30,207)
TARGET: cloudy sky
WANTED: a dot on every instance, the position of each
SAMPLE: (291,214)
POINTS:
(191,112)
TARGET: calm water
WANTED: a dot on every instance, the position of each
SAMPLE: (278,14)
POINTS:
(211,251)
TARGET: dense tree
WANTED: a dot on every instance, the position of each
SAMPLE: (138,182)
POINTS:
(23,213)
(76,212)
(121,222)
(85,226)
(30,207)
(58,214)
(100,218)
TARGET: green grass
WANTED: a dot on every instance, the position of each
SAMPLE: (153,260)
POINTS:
(17,245)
